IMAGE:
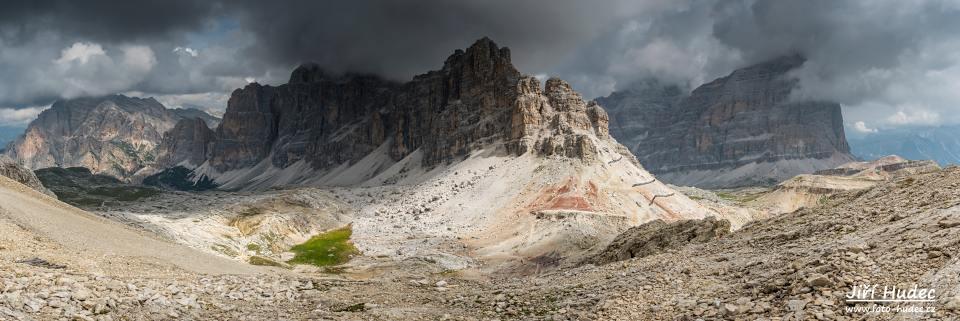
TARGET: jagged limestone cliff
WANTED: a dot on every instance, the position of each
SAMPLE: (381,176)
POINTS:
(476,101)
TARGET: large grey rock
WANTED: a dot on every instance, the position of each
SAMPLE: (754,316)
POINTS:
(742,129)
(23,175)
(186,144)
(299,121)
(658,236)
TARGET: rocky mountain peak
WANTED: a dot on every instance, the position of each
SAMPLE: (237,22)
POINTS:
(483,52)
(114,135)
(307,73)
(556,121)
(563,97)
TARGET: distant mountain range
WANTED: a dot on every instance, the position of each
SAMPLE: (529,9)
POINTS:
(941,144)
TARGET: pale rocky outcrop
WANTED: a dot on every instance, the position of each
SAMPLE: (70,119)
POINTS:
(658,236)
(555,121)
(22,175)
(812,190)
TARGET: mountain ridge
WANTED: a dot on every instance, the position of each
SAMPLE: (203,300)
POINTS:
(476,100)
(917,143)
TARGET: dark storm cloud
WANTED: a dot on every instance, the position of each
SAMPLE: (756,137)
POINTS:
(674,45)
(101,20)
(854,33)
(114,37)
(842,36)
(394,38)
(891,62)
(403,38)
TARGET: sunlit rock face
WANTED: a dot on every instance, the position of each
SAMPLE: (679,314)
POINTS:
(114,135)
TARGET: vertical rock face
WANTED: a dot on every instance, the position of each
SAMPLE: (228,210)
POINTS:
(185,144)
(478,100)
(741,129)
(314,117)
(641,109)
(114,135)
(457,109)
(190,113)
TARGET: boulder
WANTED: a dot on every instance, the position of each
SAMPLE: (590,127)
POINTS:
(658,236)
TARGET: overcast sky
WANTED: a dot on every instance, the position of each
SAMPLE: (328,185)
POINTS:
(890,63)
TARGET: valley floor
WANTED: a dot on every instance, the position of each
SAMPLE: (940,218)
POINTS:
(796,266)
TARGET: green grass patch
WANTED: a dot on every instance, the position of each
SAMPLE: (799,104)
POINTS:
(124,193)
(739,197)
(254,247)
(328,248)
(449,273)
(259,260)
